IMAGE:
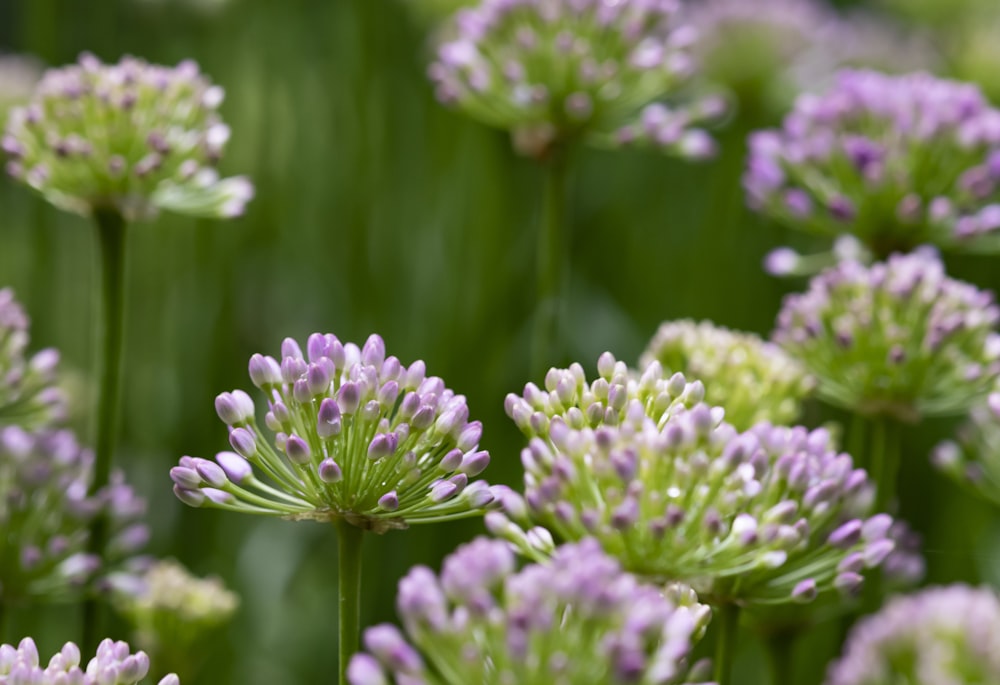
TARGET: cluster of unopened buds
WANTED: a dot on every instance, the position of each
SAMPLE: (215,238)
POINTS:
(114,664)
(28,394)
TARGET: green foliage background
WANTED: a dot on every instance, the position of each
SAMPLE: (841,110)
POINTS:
(380,211)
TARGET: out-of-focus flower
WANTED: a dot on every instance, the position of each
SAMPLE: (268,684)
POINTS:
(132,138)
(28,395)
(769,516)
(751,379)
(784,261)
(45,512)
(898,161)
(358,437)
(898,338)
(556,71)
(905,567)
(973,458)
(114,664)
(575,619)
(939,636)
(18,76)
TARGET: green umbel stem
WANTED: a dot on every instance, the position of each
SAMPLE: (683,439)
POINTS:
(552,258)
(725,646)
(884,460)
(349,540)
(111,230)
(780,649)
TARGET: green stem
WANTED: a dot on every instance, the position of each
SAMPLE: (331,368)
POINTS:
(349,539)
(552,259)
(725,646)
(856,441)
(111,229)
(780,647)
(885,458)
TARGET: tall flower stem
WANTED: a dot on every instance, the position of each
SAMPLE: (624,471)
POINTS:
(725,646)
(111,230)
(349,539)
(552,260)
(884,460)
(780,649)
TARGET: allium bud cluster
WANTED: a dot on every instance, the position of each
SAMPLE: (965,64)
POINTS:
(556,71)
(576,619)
(28,395)
(898,338)
(940,636)
(751,379)
(973,457)
(898,161)
(769,516)
(357,436)
(45,512)
(132,138)
(114,664)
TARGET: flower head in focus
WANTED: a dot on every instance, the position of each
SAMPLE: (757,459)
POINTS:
(114,664)
(357,436)
(898,338)
(132,138)
(557,71)
(28,395)
(45,512)
(898,161)
(938,636)
(577,618)
(973,457)
(751,379)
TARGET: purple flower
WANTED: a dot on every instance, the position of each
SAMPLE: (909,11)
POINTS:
(113,663)
(973,457)
(897,161)
(577,618)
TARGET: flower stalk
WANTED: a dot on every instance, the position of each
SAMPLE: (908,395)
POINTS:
(349,539)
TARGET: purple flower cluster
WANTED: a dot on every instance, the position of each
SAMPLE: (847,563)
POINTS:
(132,138)
(973,457)
(45,512)
(576,619)
(768,516)
(28,395)
(357,436)
(940,636)
(898,161)
(114,664)
(556,71)
(898,338)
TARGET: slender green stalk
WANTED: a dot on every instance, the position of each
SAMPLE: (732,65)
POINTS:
(349,539)
(552,274)
(856,446)
(111,230)
(885,458)
(780,647)
(725,646)
(4,639)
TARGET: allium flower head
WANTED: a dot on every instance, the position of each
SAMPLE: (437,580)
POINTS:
(751,379)
(132,138)
(769,516)
(28,395)
(45,512)
(576,619)
(555,71)
(357,436)
(940,636)
(973,458)
(113,664)
(898,338)
(896,160)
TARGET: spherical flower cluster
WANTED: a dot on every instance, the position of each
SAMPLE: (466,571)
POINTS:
(898,338)
(898,161)
(940,636)
(45,512)
(751,379)
(358,437)
(114,664)
(769,516)
(973,458)
(28,395)
(616,392)
(131,138)
(556,71)
(576,619)
(170,608)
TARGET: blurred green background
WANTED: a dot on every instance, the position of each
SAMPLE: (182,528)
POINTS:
(379,211)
